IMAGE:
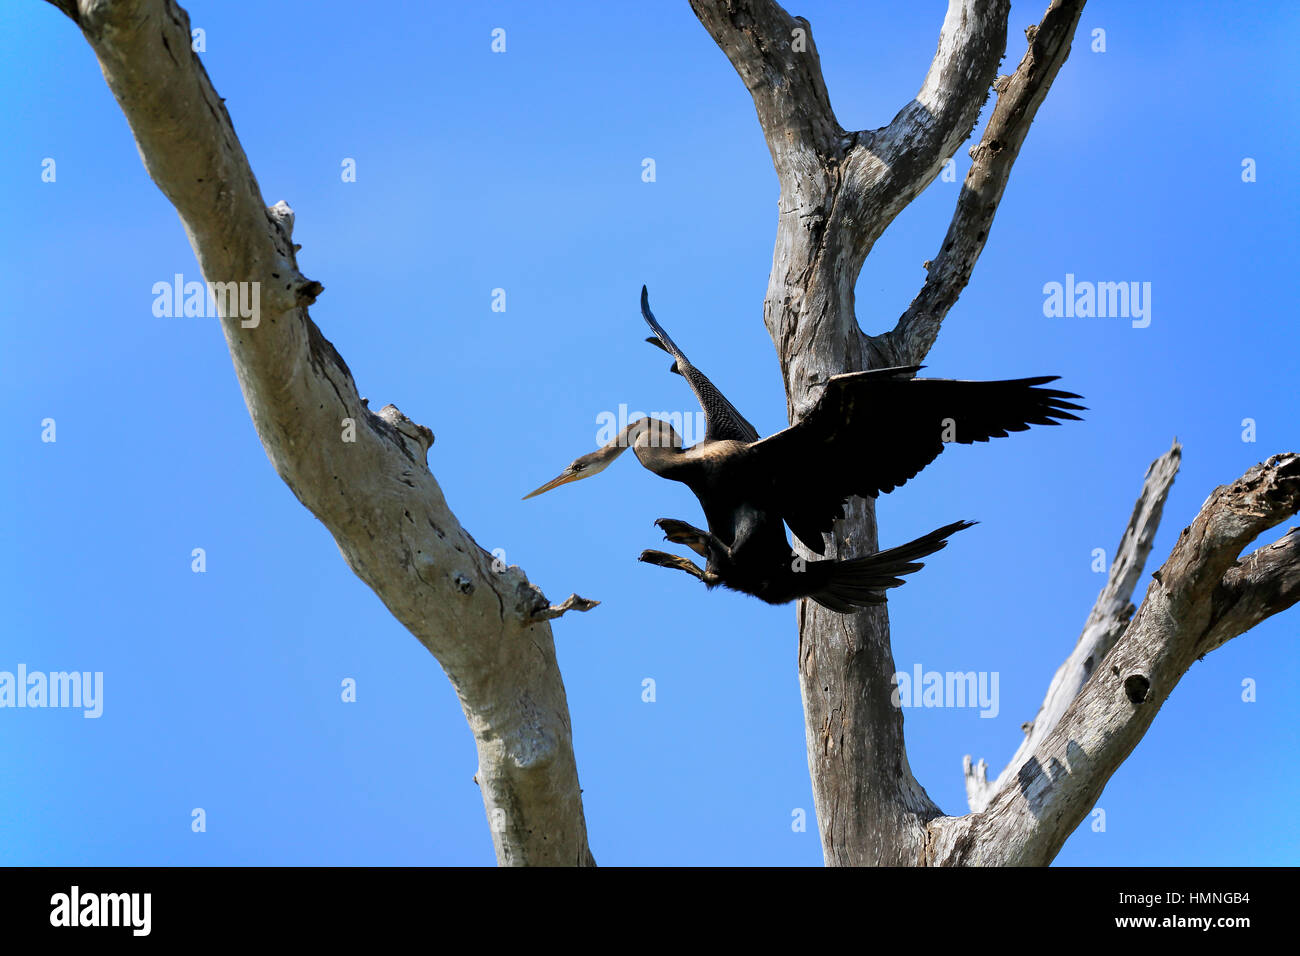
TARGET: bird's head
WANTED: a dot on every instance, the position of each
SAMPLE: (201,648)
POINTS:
(584,467)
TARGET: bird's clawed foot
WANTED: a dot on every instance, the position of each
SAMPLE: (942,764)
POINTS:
(665,560)
(679,532)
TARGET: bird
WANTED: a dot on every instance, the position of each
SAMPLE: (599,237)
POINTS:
(867,434)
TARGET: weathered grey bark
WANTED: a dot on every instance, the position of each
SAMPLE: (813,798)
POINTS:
(1018,98)
(1201,597)
(1109,619)
(376,494)
(839,191)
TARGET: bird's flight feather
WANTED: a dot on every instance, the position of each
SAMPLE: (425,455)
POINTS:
(721,420)
(870,432)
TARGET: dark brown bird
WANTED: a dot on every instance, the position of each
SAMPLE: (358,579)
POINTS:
(868,433)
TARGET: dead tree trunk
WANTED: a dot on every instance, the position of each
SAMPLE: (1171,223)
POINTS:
(364,475)
(839,191)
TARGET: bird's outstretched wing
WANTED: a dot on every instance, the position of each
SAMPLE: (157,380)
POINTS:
(721,420)
(871,431)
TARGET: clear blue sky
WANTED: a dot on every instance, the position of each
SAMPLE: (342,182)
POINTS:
(522,171)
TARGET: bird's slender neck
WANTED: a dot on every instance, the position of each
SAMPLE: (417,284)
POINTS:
(657,445)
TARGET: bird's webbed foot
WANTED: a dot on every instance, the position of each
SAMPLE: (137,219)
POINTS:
(664,560)
(679,532)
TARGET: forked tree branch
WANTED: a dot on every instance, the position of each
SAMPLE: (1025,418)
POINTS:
(375,493)
(1200,598)
(1018,98)
(836,200)
(897,162)
(1264,583)
(839,191)
(1109,617)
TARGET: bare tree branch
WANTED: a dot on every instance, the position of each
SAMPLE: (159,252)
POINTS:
(895,163)
(375,493)
(839,191)
(572,603)
(776,58)
(488,627)
(1019,97)
(1201,597)
(1109,617)
(870,808)
(1264,583)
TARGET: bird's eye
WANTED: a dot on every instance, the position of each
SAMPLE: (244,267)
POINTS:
(576,466)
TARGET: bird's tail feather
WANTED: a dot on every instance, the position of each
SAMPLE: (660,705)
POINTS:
(861,582)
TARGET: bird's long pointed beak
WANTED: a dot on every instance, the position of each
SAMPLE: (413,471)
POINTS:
(563,479)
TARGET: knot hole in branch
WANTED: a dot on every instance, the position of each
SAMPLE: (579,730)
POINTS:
(1136,687)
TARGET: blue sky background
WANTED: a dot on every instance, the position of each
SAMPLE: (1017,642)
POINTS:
(523,171)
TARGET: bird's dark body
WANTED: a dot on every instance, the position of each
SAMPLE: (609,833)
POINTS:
(868,433)
(746,548)
(758,559)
